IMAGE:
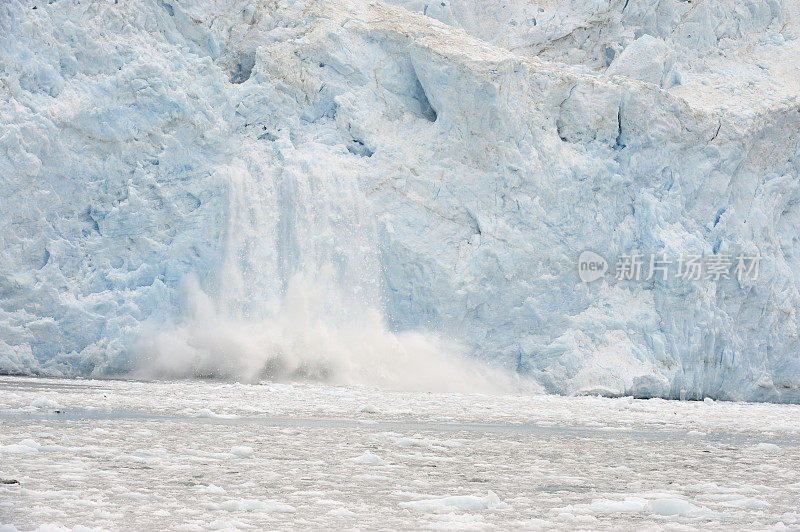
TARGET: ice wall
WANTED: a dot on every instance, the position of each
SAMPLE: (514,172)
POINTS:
(444,174)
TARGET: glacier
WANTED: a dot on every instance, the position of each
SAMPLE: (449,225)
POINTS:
(325,184)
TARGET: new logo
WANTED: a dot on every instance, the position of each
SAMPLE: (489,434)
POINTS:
(591,266)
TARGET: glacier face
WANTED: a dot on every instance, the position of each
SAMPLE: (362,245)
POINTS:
(165,162)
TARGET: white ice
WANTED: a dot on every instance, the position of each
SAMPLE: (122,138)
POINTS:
(128,455)
(380,193)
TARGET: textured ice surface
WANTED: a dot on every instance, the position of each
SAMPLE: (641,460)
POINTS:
(236,188)
(133,455)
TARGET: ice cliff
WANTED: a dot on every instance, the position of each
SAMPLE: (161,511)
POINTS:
(179,177)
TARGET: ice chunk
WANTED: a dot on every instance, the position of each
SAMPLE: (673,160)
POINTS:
(242,451)
(44,403)
(208,413)
(23,447)
(256,505)
(629,504)
(341,512)
(666,506)
(458,502)
(211,489)
(673,506)
(768,447)
(368,458)
(647,59)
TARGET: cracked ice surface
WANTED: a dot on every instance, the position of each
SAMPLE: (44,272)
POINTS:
(171,169)
(148,455)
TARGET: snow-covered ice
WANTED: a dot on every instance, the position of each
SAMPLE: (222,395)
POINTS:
(348,191)
(128,455)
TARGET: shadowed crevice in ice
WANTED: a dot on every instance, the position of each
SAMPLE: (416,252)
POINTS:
(242,68)
(426,110)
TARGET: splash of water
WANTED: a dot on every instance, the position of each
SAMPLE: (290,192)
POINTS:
(306,341)
(319,319)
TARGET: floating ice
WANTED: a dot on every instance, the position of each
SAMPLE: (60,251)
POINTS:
(242,451)
(769,447)
(458,502)
(253,505)
(208,413)
(368,458)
